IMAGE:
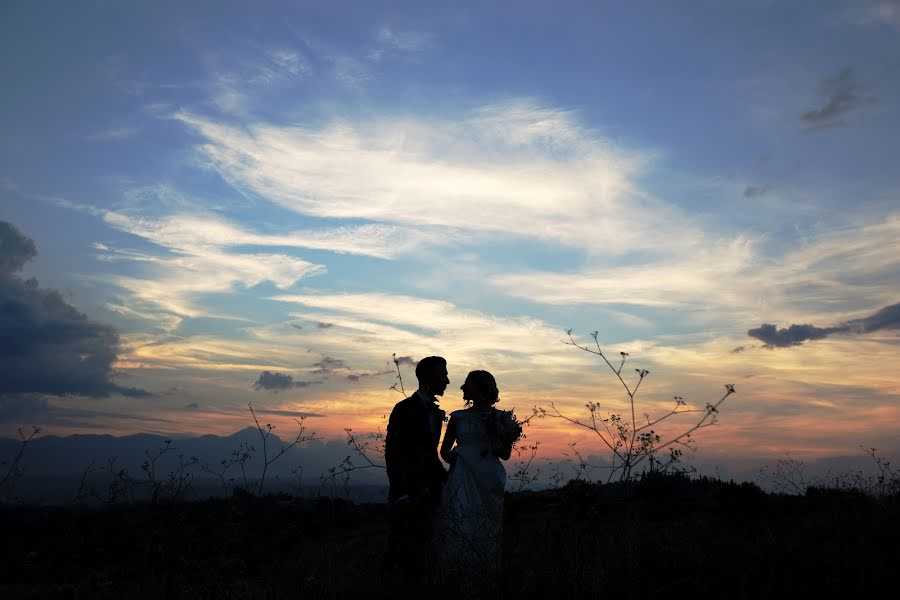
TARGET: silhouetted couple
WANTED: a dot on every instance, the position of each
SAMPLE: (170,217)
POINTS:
(446,526)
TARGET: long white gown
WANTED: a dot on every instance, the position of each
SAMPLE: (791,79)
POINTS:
(470,517)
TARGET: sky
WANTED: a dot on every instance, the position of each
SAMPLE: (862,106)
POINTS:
(211,204)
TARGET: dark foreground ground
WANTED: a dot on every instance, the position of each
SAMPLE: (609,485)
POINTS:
(656,539)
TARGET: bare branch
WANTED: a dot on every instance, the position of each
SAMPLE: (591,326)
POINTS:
(630,443)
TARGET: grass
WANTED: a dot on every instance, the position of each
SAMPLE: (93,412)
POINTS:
(662,535)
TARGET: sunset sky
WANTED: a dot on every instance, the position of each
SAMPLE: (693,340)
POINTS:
(222,189)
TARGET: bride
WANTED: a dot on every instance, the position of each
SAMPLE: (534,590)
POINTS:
(470,517)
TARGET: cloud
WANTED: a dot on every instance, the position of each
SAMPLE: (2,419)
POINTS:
(42,410)
(408,361)
(830,271)
(114,134)
(708,274)
(24,408)
(840,95)
(349,71)
(773,337)
(46,345)
(278,382)
(15,249)
(193,265)
(287,413)
(886,13)
(388,370)
(176,282)
(328,365)
(407,41)
(886,318)
(516,169)
(283,63)
(322,325)
(872,13)
(234,80)
(354,377)
(185,230)
(377,322)
(752,191)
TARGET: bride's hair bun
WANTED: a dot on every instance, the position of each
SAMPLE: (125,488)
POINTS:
(486,384)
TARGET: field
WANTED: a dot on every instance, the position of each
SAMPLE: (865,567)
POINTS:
(662,536)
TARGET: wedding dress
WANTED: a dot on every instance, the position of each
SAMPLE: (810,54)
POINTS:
(470,517)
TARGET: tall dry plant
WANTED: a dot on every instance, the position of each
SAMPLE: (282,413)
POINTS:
(630,443)
(13,471)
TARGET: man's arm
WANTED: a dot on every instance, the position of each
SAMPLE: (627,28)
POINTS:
(398,451)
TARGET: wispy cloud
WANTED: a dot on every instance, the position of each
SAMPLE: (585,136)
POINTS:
(283,63)
(185,231)
(517,169)
(195,259)
(368,326)
(869,12)
(705,276)
(234,84)
(405,40)
(840,95)
(203,353)
(824,275)
(393,41)
(114,134)
(175,282)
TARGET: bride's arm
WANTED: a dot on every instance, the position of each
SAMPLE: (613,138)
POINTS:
(504,453)
(447,446)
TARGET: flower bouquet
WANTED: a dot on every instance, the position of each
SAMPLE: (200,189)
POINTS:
(503,430)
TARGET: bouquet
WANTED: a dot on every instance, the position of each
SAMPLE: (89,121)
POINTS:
(503,430)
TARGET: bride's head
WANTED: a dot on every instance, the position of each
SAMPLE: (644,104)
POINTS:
(480,389)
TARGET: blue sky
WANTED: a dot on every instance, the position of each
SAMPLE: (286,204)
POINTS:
(244,187)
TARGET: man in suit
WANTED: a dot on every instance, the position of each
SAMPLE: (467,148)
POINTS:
(414,470)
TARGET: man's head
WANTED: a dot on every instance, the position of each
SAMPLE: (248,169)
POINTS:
(432,375)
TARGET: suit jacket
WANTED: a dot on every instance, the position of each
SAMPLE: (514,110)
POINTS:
(410,451)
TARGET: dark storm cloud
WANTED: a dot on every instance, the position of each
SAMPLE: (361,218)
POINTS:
(15,249)
(840,95)
(46,345)
(772,337)
(278,382)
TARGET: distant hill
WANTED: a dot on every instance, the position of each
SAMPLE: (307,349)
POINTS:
(53,466)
